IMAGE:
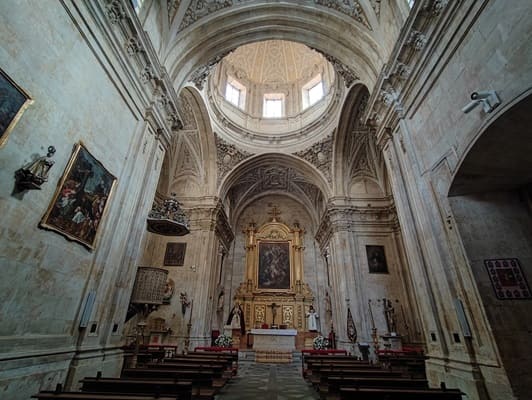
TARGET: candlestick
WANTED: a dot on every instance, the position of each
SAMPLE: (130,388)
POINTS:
(371,315)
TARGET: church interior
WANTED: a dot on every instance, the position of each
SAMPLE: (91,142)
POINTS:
(178,172)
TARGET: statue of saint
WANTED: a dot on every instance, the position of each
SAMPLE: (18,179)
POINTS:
(312,317)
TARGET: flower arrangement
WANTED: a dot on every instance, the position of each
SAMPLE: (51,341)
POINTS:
(320,343)
(223,341)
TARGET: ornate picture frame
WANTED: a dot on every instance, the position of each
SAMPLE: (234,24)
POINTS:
(81,200)
(274,272)
(13,102)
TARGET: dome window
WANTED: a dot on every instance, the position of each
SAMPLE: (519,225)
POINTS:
(273,105)
(313,92)
(235,93)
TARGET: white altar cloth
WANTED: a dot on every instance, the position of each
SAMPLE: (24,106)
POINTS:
(274,339)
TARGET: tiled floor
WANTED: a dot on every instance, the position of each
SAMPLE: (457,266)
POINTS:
(268,382)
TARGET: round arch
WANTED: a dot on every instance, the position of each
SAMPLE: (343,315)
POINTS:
(332,33)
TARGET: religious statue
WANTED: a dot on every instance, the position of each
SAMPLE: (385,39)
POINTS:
(312,317)
(389,314)
(236,318)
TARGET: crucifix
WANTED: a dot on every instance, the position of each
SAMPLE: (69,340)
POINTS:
(273,306)
(274,213)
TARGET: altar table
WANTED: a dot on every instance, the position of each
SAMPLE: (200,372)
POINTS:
(274,339)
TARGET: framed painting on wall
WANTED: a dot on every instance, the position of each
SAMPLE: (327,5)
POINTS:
(81,199)
(13,101)
(274,265)
(174,255)
(376,260)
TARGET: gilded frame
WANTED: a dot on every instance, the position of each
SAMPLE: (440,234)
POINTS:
(81,200)
(13,102)
(286,283)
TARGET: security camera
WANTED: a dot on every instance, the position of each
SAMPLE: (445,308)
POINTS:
(481,95)
(487,98)
(470,106)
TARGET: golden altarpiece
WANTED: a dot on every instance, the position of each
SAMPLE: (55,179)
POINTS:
(274,294)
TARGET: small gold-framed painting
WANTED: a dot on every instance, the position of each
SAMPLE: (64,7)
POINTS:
(13,101)
(81,199)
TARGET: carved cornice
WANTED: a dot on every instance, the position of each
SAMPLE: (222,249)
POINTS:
(351,8)
(200,75)
(347,73)
(152,77)
(385,106)
(320,155)
(355,218)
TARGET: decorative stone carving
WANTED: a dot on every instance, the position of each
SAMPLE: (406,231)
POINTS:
(348,75)
(200,8)
(376,5)
(174,121)
(319,155)
(147,73)
(347,7)
(115,11)
(387,96)
(133,45)
(228,156)
(435,7)
(199,77)
(402,70)
(173,6)
(417,40)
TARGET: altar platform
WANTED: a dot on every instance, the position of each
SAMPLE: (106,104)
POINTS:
(274,339)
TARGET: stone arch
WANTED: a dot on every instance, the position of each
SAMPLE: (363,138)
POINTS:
(206,41)
(490,200)
(298,176)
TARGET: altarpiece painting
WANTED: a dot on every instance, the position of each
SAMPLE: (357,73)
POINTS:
(274,265)
(81,199)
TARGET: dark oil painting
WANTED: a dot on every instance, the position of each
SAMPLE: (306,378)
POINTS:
(81,199)
(376,260)
(13,102)
(274,265)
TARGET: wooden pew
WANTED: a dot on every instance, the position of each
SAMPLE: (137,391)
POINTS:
(181,390)
(46,395)
(399,394)
(331,390)
(205,383)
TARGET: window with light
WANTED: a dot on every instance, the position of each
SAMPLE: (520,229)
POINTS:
(273,106)
(232,94)
(235,93)
(313,91)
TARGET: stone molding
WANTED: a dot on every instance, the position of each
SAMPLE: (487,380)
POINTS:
(209,217)
(386,103)
(142,64)
(351,8)
(349,218)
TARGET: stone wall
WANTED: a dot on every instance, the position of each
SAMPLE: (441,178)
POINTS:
(77,97)
(494,226)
